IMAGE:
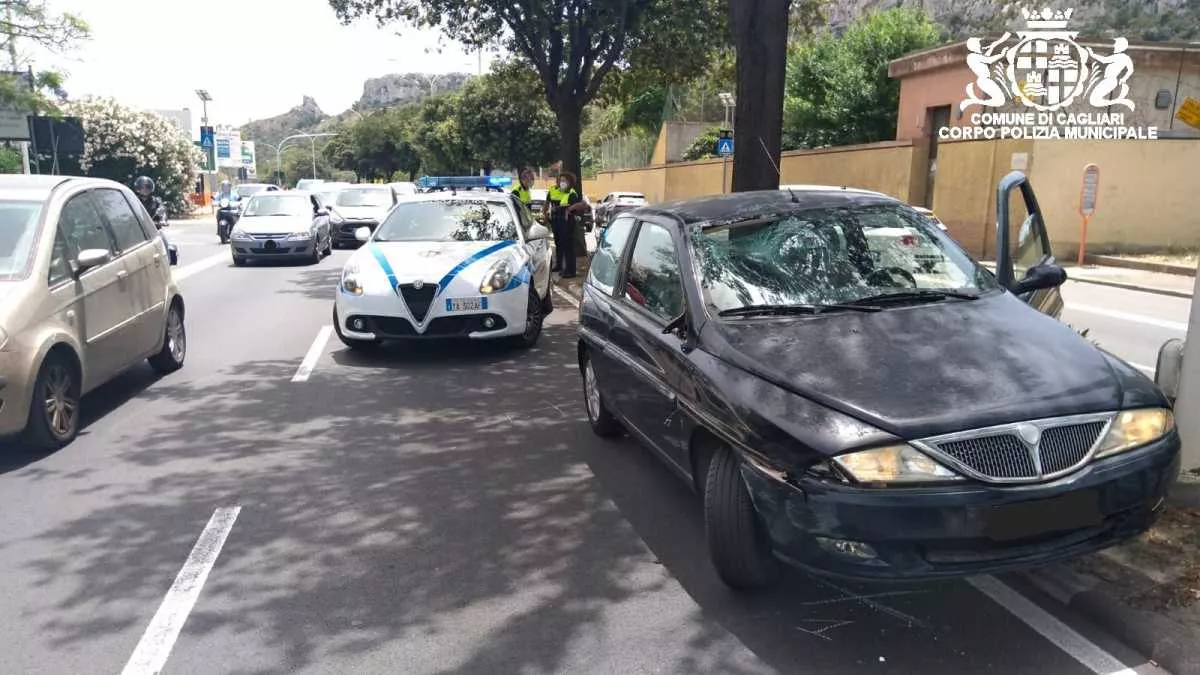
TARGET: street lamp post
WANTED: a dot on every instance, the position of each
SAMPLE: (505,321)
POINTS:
(727,100)
(312,139)
(204,99)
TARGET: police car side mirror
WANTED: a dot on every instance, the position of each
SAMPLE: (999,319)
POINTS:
(537,232)
(363,233)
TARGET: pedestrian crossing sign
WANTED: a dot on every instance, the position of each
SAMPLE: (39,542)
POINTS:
(725,146)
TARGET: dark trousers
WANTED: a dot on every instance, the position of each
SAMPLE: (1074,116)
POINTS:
(564,247)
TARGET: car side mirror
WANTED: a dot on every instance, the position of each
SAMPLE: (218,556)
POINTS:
(538,232)
(363,233)
(91,257)
(322,212)
(1040,277)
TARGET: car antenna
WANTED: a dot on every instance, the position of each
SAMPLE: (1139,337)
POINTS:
(795,200)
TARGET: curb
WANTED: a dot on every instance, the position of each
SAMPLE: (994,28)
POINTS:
(1131,287)
(1167,642)
(1144,266)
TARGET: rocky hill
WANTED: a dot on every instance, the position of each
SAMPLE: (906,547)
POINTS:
(378,92)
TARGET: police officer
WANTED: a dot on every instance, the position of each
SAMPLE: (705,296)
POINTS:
(143,187)
(524,185)
(564,202)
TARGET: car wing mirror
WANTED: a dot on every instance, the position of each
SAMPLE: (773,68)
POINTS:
(537,232)
(91,257)
(363,233)
(1040,277)
(682,329)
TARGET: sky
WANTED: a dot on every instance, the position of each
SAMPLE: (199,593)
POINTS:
(155,54)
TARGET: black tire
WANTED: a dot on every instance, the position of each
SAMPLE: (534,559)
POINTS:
(737,543)
(548,301)
(534,318)
(604,423)
(239,261)
(58,381)
(224,239)
(174,350)
(353,343)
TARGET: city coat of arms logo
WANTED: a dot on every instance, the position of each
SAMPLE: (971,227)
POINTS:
(1046,69)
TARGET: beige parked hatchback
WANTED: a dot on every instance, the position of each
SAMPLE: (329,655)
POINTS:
(85,293)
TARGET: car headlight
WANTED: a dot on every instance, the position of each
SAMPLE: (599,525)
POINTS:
(239,233)
(894,464)
(497,277)
(224,203)
(350,280)
(306,234)
(1135,428)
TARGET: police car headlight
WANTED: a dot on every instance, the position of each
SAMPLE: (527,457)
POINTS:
(350,280)
(497,277)
(224,203)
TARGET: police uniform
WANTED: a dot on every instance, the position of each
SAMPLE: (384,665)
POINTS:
(522,193)
(563,226)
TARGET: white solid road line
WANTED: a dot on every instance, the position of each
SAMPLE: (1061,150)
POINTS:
(1126,316)
(313,355)
(1080,648)
(566,296)
(186,271)
(155,646)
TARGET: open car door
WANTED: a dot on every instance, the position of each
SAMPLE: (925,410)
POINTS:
(1025,264)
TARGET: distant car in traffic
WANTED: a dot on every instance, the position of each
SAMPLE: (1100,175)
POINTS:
(328,192)
(615,203)
(837,414)
(448,264)
(243,191)
(281,225)
(88,294)
(309,184)
(403,188)
(359,206)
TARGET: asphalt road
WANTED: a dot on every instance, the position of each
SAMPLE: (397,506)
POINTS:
(424,510)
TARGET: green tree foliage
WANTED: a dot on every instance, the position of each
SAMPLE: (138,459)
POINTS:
(10,160)
(24,22)
(437,137)
(376,145)
(838,90)
(504,120)
(572,44)
(704,147)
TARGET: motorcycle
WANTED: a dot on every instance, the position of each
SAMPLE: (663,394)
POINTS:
(227,216)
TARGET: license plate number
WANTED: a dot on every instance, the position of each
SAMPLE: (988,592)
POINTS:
(1072,511)
(466,304)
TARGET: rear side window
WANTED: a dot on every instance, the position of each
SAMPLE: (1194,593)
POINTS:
(125,225)
(603,271)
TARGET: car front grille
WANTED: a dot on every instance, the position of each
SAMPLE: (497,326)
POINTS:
(443,326)
(263,237)
(1022,453)
(418,299)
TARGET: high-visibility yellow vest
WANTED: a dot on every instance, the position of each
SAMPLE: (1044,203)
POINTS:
(561,197)
(523,194)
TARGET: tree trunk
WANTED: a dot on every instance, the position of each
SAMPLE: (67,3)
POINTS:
(760,29)
(570,125)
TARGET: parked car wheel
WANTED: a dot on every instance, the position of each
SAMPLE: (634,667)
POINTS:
(534,318)
(174,349)
(604,423)
(54,411)
(737,542)
(239,261)
(316,254)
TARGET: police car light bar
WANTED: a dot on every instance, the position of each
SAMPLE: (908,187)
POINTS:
(464,182)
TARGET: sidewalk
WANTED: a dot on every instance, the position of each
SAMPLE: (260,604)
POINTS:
(1161,283)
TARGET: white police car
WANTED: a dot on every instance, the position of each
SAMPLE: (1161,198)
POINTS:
(447,264)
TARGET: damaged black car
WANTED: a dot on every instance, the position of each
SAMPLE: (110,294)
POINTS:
(856,416)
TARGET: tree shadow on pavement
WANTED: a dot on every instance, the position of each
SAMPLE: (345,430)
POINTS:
(416,496)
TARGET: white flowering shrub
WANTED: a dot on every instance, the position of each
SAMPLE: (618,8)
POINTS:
(122,143)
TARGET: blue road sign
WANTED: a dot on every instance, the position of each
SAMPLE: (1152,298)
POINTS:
(725,146)
(206,137)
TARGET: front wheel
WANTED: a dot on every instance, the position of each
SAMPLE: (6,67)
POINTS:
(737,542)
(534,318)
(54,410)
(604,423)
(174,350)
(239,261)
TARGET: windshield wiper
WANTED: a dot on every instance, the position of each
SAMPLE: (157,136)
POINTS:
(786,310)
(925,294)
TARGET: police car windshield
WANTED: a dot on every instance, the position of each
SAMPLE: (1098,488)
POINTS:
(448,220)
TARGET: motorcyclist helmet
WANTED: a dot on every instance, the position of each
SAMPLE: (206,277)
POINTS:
(144,186)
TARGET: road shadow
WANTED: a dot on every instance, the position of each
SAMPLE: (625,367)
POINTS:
(414,495)
(14,455)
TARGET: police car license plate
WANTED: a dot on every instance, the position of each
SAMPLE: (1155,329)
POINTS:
(466,304)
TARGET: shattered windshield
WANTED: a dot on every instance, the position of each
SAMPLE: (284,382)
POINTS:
(827,256)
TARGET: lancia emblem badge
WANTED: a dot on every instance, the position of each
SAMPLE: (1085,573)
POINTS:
(1030,434)
(418,285)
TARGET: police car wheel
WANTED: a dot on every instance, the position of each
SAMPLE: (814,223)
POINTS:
(534,317)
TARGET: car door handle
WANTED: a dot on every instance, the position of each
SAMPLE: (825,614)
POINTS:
(122,275)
